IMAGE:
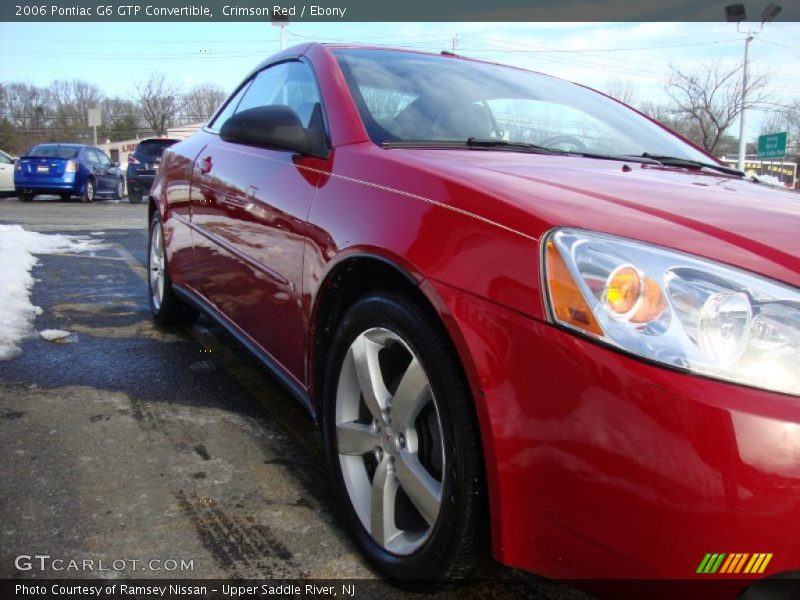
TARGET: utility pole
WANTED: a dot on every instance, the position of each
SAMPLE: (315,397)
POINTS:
(282,22)
(736,13)
(742,140)
(455,42)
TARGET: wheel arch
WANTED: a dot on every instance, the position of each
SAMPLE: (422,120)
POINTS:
(354,275)
(358,273)
(351,276)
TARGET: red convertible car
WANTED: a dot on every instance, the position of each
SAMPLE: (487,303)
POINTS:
(533,323)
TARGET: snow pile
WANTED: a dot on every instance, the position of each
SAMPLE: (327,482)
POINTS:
(17,249)
(54,335)
(770,180)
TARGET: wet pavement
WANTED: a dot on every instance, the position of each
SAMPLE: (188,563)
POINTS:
(130,441)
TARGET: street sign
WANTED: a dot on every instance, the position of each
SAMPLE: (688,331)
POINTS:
(772,145)
(94,117)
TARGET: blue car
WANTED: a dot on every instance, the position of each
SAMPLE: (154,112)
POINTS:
(67,170)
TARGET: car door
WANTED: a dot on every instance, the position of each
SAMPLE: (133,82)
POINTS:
(107,179)
(251,206)
(6,173)
(92,162)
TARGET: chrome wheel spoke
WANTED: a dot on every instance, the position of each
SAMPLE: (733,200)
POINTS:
(157,266)
(384,494)
(370,379)
(389,442)
(411,395)
(356,438)
(420,486)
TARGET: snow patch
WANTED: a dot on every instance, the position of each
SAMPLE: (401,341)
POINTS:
(770,180)
(17,249)
(54,335)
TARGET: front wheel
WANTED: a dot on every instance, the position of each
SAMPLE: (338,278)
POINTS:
(88,191)
(403,445)
(166,307)
(119,190)
(25,196)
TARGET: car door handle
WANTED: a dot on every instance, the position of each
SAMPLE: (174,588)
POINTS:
(204,165)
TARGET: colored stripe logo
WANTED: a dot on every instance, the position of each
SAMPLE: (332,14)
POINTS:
(734,563)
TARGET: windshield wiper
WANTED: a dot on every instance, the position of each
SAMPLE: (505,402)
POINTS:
(676,161)
(522,146)
(493,144)
(473,143)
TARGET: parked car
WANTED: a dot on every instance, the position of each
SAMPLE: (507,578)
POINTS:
(6,173)
(67,170)
(531,321)
(142,166)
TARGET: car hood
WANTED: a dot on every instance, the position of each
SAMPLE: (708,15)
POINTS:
(728,219)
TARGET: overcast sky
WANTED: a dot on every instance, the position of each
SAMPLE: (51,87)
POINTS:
(115,55)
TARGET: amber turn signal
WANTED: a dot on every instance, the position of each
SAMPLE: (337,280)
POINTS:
(567,300)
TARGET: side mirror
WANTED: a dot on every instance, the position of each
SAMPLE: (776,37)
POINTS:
(115,164)
(274,127)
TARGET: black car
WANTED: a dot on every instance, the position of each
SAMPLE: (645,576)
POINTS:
(142,166)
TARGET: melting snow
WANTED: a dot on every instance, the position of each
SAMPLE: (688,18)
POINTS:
(17,249)
(54,335)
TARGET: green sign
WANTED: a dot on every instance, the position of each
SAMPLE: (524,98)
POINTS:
(772,145)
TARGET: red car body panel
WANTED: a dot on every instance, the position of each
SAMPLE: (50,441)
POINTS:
(598,464)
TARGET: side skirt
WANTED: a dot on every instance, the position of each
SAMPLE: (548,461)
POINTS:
(288,382)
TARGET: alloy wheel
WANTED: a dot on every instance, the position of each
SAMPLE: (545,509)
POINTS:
(389,441)
(156,266)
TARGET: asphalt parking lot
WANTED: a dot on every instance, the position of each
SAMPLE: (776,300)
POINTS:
(130,441)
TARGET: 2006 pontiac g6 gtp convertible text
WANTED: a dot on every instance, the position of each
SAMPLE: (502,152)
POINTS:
(533,323)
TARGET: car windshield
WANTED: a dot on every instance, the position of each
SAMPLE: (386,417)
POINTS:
(53,152)
(409,97)
(154,148)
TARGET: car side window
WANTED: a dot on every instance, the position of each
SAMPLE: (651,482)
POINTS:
(229,110)
(289,84)
(102,158)
(5,159)
(89,157)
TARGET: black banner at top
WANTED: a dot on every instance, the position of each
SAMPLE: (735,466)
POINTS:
(376,10)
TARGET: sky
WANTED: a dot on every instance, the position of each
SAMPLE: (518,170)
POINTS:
(114,56)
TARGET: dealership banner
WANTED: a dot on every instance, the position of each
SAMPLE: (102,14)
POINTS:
(370,10)
(510,587)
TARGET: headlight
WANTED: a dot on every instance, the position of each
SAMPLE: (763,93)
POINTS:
(686,312)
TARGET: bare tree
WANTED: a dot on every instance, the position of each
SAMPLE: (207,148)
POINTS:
(622,90)
(70,102)
(120,119)
(25,108)
(709,100)
(160,102)
(201,101)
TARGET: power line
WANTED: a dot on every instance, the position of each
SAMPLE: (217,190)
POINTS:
(547,49)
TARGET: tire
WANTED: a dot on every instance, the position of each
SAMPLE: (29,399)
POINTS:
(167,308)
(65,197)
(119,190)
(134,197)
(448,545)
(25,196)
(89,191)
